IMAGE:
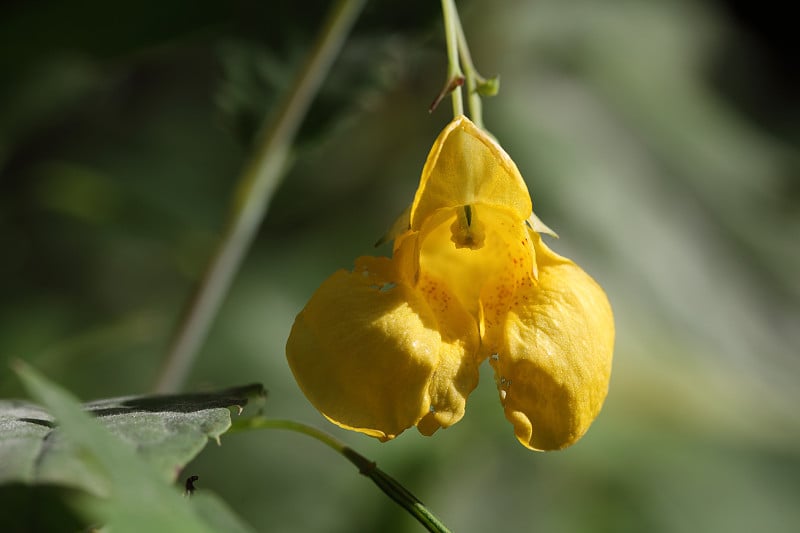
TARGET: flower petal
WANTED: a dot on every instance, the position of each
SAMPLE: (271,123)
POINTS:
(372,355)
(485,274)
(554,360)
(456,374)
(465,167)
(364,349)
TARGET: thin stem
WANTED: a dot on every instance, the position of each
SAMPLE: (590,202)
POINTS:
(450,16)
(472,78)
(258,422)
(367,468)
(257,184)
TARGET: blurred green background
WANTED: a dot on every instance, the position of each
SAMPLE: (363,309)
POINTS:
(659,139)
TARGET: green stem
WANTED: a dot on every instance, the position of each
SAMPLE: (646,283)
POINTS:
(471,76)
(258,422)
(368,468)
(450,15)
(257,185)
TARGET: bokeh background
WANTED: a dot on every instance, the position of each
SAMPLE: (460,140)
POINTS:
(659,139)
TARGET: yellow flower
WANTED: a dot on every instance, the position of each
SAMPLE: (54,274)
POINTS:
(397,342)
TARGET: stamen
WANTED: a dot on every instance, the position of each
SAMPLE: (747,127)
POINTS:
(466,230)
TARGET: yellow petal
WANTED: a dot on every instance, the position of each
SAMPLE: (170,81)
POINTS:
(553,362)
(456,374)
(482,260)
(368,353)
(465,167)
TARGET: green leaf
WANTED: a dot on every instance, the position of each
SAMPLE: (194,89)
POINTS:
(168,431)
(128,454)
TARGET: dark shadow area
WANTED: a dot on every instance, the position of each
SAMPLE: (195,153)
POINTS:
(178,403)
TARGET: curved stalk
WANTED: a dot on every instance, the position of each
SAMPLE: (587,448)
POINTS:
(367,468)
(454,74)
(471,77)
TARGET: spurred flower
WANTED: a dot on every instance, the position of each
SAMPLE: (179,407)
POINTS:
(397,342)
